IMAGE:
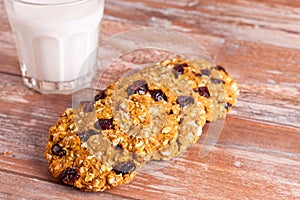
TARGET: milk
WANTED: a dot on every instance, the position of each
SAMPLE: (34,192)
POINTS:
(54,40)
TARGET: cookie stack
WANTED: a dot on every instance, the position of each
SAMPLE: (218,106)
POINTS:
(153,114)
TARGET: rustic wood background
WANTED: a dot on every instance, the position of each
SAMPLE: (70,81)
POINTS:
(258,153)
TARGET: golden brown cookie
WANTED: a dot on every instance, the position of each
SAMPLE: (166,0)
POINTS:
(81,156)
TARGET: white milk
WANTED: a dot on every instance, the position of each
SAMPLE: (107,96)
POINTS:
(53,41)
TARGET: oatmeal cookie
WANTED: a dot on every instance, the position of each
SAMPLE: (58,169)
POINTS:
(148,109)
(81,156)
(153,113)
(213,85)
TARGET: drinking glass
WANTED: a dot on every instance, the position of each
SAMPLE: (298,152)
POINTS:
(54,39)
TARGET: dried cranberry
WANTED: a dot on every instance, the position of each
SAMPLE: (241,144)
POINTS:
(138,87)
(203,91)
(105,124)
(185,100)
(88,106)
(158,95)
(84,136)
(220,68)
(70,175)
(217,81)
(205,72)
(124,167)
(227,105)
(58,150)
(179,69)
(100,95)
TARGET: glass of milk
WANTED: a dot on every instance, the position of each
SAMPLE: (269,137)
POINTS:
(54,39)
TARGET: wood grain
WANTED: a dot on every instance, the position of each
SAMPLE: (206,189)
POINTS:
(257,155)
(275,23)
(269,80)
(32,188)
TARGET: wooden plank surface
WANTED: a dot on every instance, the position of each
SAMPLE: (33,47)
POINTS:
(257,155)
(247,157)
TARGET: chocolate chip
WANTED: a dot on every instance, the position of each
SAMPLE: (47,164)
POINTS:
(171,112)
(220,68)
(158,95)
(179,69)
(58,150)
(105,124)
(185,100)
(69,175)
(227,105)
(88,106)
(100,95)
(138,87)
(84,136)
(124,167)
(205,72)
(203,91)
(217,81)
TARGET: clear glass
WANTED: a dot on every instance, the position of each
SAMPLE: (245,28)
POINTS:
(54,39)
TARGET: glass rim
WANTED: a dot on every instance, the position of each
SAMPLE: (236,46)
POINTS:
(40,3)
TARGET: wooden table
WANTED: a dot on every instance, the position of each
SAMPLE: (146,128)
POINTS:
(258,153)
